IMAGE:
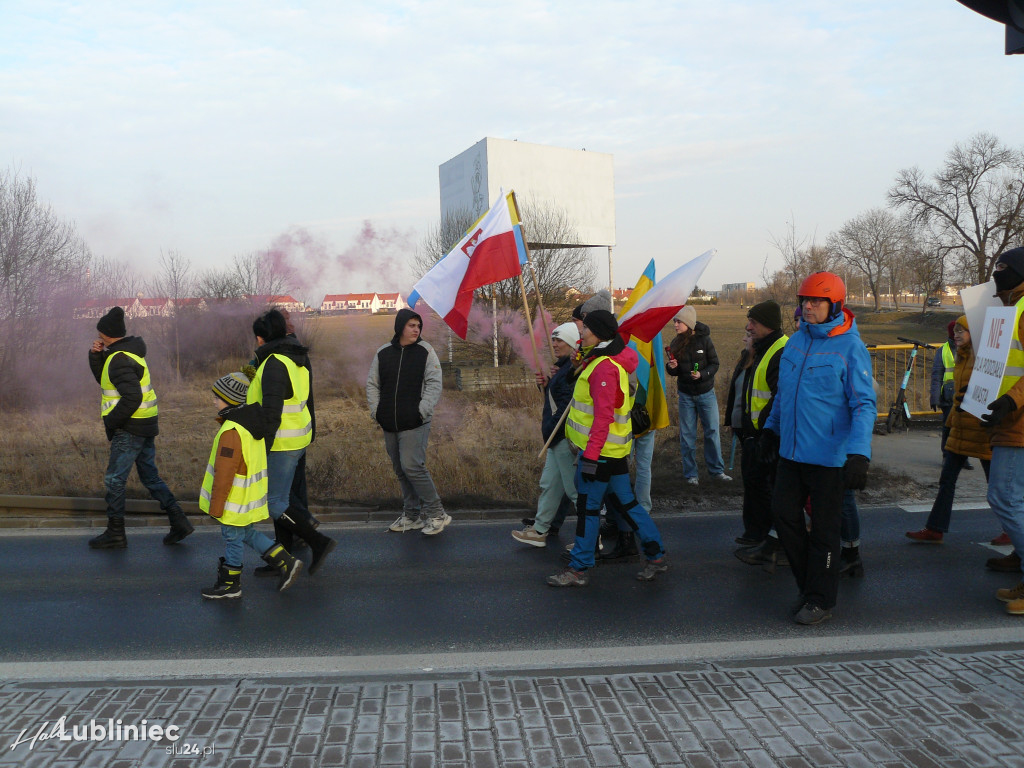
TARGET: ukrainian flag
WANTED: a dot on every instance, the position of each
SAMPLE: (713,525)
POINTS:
(651,389)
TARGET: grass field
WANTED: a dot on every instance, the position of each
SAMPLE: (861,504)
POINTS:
(483,446)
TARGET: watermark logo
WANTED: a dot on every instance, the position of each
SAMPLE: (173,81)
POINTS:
(93,730)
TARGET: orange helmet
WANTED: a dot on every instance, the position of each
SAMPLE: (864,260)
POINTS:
(824,285)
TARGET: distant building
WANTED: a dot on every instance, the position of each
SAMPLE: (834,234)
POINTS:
(351,302)
(728,288)
(391,302)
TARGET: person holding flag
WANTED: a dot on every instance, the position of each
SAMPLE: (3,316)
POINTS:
(598,424)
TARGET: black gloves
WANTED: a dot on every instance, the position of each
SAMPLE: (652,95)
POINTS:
(588,470)
(998,411)
(855,471)
(767,447)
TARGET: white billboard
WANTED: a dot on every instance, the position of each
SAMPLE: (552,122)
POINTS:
(579,182)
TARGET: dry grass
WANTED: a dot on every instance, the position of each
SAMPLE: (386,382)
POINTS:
(482,448)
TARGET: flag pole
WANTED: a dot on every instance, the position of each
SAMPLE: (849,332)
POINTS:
(536,285)
(529,325)
(555,431)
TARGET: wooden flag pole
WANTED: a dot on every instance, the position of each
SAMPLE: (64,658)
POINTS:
(558,426)
(536,285)
(529,325)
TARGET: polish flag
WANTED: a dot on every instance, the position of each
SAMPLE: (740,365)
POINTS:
(652,312)
(492,250)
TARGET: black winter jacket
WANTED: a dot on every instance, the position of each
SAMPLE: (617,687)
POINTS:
(277,386)
(126,376)
(557,396)
(700,352)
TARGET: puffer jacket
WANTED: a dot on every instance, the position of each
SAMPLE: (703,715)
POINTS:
(700,352)
(967,435)
(825,403)
(126,376)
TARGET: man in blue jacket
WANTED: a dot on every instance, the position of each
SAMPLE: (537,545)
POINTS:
(820,430)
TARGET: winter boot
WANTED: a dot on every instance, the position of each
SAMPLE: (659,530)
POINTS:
(113,537)
(768,554)
(288,568)
(304,525)
(180,526)
(1008,564)
(625,547)
(850,563)
(229,583)
(284,537)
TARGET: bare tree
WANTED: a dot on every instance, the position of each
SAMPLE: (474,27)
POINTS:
(43,265)
(258,274)
(925,261)
(441,238)
(801,256)
(872,245)
(174,281)
(974,203)
(109,279)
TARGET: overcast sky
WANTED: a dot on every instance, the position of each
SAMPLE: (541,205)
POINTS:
(217,129)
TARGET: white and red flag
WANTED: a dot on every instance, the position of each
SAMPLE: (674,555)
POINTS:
(651,313)
(491,251)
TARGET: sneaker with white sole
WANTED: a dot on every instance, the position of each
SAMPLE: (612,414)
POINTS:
(693,481)
(569,578)
(436,524)
(530,536)
(724,478)
(406,523)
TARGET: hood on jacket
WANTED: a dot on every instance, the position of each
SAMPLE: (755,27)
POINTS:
(701,329)
(248,416)
(133,344)
(288,346)
(627,358)
(835,327)
(401,319)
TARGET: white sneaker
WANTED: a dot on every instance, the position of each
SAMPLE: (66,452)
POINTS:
(405,523)
(693,481)
(436,524)
(723,477)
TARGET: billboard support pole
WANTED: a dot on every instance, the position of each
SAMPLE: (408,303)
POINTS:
(536,287)
(611,284)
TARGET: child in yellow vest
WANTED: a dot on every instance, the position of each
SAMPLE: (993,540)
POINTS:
(235,490)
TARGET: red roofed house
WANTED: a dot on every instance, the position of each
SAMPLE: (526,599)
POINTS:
(391,302)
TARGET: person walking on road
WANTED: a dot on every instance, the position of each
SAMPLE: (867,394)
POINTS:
(942,391)
(557,477)
(598,424)
(965,436)
(128,406)
(283,390)
(235,490)
(819,430)
(1005,421)
(693,361)
(402,389)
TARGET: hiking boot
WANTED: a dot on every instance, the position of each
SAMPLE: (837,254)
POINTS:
(747,540)
(1016,607)
(925,536)
(652,569)
(850,563)
(1011,594)
(180,525)
(302,525)
(812,614)
(112,538)
(723,478)
(624,547)
(229,583)
(768,554)
(529,536)
(435,525)
(288,568)
(406,523)
(1002,540)
(569,578)
(1007,564)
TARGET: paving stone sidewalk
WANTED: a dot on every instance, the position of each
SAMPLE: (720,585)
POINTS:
(924,709)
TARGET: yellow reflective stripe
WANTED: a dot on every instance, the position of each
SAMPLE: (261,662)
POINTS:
(110,392)
(765,393)
(622,439)
(294,432)
(241,509)
(294,408)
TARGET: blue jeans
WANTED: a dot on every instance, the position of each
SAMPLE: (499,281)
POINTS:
(643,453)
(942,509)
(280,472)
(705,408)
(408,453)
(849,525)
(556,483)
(235,536)
(1006,491)
(127,450)
(588,525)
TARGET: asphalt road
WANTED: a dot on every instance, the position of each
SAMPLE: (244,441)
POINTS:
(471,589)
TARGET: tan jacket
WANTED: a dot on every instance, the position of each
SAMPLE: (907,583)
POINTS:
(967,435)
(229,462)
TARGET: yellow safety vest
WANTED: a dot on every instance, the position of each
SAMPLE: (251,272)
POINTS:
(247,499)
(109,396)
(296,430)
(581,415)
(948,362)
(1015,360)
(759,392)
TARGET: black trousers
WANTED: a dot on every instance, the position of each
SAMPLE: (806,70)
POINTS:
(813,550)
(758,481)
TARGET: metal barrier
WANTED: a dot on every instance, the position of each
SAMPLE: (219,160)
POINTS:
(889,363)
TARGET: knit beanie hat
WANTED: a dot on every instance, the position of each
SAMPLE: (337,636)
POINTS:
(112,324)
(602,324)
(962,322)
(689,316)
(767,313)
(600,300)
(232,388)
(567,332)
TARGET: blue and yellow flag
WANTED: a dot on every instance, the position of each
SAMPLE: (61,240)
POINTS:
(651,389)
